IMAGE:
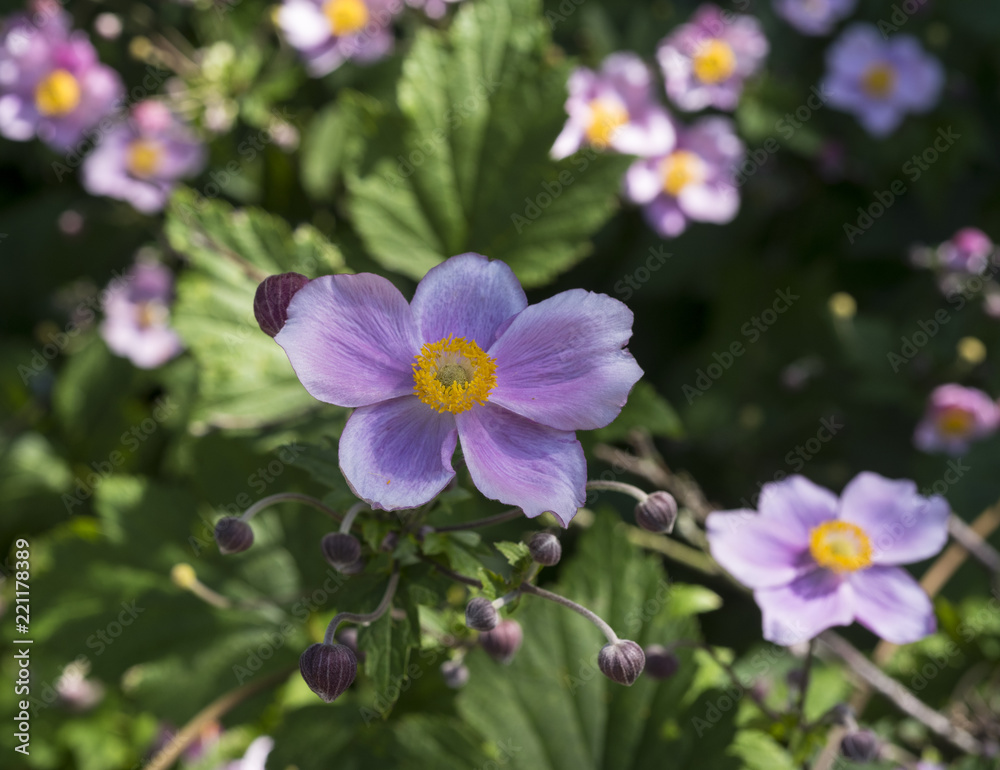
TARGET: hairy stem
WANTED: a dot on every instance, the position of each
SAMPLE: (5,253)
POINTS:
(598,621)
(283,497)
(366,617)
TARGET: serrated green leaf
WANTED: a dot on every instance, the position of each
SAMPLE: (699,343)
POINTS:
(759,751)
(480,106)
(246,380)
(513,552)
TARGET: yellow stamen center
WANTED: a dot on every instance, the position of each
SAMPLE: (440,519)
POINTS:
(452,375)
(879,80)
(143,158)
(58,94)
(714,62)
(840,546)
(151,313)
(346,16)
(606,117)
(955,423)
(680,169)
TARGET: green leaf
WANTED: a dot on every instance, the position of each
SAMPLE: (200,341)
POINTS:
(513,552)
(759,751)
(387,644)
(467,168)
(246,380)
(552,701)
(334,139)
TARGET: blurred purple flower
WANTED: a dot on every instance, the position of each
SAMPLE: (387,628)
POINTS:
(329,32)
(51,84)
(967,251)
(137,315)
(705,61)
(255,757)
(76,692)
(615,108)
(814,17)
(140,160)
(466,359)
(814,561)
(694,182)
(955,417)
(435,9)
(880,80)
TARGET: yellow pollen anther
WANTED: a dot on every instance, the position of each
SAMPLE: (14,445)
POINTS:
(606,117)
(840,546)
(879,81)
(452,375)
(143,158)
(680,169)
(58,94)
(955,423)
(346,16)
(714,61)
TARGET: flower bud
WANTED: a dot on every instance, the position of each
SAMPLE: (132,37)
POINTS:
(270,303)
(860,746)
(661,663)
(621,661)
(503,642)
(184,576)
(657,513)
(455,674)
(328,669)
(481,615)
(389,542)
(349,638)
(341,550)
(233,535)
(545,548)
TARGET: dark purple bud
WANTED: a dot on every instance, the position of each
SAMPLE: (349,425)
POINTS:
(423,532)
(341,549)
(860,746)
(328,669)
(349,638)
(545,548)
(657,513)
(661,663)
(233,535)
(455,674)
(621,661)
(503,642)
(389,542)
(270,303)
(481,615)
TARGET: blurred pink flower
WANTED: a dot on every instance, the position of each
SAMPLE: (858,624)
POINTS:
(137,316)
(955,417)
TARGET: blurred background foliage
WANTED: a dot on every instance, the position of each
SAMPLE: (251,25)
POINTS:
(390,168)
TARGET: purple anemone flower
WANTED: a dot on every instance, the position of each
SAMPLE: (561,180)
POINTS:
(615,108)
(814,17)
(51,84)
(705,61)
(466,360)
(694,182)
(137,316)
(968,251)
(880,80)
(329,32)
(140,160)
(814,561)
(955,417)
